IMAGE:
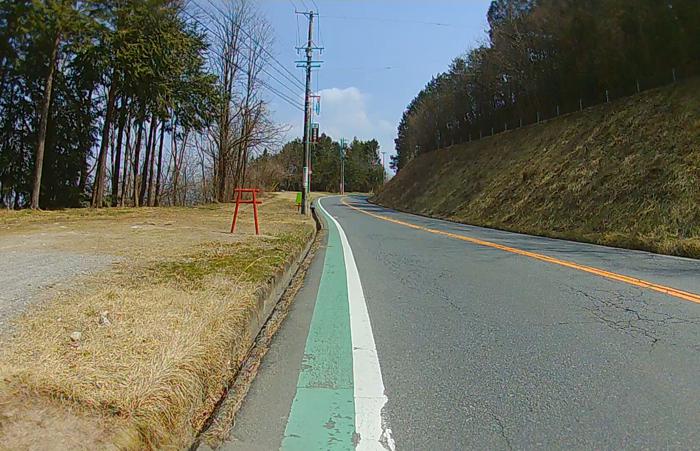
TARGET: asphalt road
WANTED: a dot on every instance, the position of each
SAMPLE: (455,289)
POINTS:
(486,348)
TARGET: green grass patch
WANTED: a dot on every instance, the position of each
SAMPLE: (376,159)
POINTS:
(246,262)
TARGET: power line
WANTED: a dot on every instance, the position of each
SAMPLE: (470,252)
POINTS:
(297,17)
(380,19)
(291,77)
(318,23)
(290,89)
(281,95)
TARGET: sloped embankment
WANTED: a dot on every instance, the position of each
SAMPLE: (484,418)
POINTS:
(624,174)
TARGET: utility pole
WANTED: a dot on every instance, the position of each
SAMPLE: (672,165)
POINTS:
(384,166)
(342,165)
(305,210)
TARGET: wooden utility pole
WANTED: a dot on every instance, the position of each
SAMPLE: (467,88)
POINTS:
(384,166)
(342,165)
(307,64)
(307,119)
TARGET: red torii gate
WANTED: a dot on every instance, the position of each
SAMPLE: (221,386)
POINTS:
(239,200)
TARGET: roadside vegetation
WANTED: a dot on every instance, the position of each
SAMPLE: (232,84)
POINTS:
(545,58)
(137,356)
(130,103)
(363,168)
(623,174)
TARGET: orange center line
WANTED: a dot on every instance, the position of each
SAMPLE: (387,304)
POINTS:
(680,294)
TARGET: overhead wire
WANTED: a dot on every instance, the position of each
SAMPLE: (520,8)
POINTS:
(291,77)
(298,33)
(290,89)
(318,24)
(384,19)
(294,103)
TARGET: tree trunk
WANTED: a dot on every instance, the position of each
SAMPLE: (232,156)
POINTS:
(221,193)
(204,182)
(176,169)
(85,164)
(245,165)
(179,157)
(222,163)
(150,169)
(3,75)
(146,161)
(184,192)
(43,122)
(127,162)
(99,185)
(118,157)
(160,164)
(137,154)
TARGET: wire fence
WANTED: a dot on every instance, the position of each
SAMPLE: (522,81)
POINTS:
(516,116)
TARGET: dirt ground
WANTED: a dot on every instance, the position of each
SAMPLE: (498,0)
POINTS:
(129,322)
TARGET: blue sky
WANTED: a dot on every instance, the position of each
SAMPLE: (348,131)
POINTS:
(378,55)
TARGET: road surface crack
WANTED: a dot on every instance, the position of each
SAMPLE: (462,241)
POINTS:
(501,429)
(632,315)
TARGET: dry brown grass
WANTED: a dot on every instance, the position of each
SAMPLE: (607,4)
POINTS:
(223,421)
(178,303)
(624,174)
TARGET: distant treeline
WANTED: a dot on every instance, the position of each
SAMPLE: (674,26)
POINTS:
(548,57)
(363,168)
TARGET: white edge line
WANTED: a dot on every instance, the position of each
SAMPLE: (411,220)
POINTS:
(368,385)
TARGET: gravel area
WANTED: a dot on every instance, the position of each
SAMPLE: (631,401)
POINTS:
(25,274)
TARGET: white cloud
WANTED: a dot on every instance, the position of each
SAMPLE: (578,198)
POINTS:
(346,113)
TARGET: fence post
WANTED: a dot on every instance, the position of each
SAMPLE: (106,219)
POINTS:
(481,134)
(557,110)
(505,127)
(491,131)
(638,90)
(538,117)
(673,71)
(607,96)
(521,122)
(580,104)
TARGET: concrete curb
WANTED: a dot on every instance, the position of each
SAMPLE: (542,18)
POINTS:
(270,294)
(268,298)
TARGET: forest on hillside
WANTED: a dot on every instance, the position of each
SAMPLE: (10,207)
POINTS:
(363,168)
(544,58)
(124,102)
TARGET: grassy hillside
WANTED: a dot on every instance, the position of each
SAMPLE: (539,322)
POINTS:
(623,174)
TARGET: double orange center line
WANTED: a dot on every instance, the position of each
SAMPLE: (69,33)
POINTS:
(680,294)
